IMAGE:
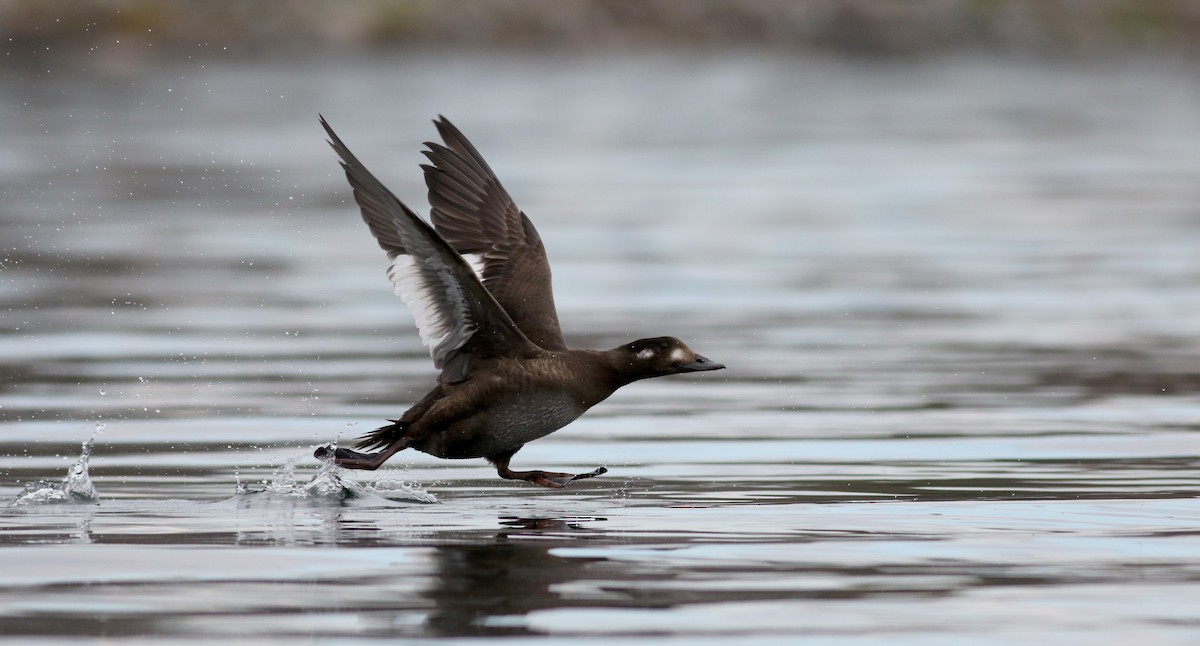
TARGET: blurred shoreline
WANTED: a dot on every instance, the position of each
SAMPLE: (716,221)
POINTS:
(116,30)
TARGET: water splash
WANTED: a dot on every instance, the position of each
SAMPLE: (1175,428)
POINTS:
(330,484)
(75,488)
(324,484)
(398,489)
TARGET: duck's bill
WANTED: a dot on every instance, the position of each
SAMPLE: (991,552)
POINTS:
(700,364)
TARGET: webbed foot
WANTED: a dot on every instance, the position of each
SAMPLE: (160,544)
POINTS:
(550,479)
(539,478)
(348,459)
(582,476)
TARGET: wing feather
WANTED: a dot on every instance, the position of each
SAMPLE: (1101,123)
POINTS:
(475,214)
(458,319)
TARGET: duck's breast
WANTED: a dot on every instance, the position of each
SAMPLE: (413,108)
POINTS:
(524,418)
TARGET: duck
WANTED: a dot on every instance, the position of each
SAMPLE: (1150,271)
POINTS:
(478,283)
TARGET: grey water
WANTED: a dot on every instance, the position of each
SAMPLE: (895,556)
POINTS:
(958,299)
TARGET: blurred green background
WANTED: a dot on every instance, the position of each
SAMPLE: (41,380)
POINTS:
(120,31)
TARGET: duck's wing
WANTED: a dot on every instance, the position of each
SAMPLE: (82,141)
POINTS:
(473,212)
(457,317)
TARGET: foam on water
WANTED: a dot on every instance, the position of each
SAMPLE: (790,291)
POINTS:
(75,488)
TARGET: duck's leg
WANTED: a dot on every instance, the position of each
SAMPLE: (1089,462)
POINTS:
(540,478)
(348,459)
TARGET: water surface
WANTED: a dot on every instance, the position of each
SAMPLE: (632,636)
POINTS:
(958,302)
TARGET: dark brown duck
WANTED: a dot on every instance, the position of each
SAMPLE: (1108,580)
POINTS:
(507,377)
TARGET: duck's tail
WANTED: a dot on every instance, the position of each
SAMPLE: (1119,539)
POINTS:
(382,436)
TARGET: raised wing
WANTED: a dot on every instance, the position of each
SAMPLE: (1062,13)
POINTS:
(476,215)
(457,317)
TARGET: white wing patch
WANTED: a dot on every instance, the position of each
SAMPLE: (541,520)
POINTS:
(427,303)
(476,262)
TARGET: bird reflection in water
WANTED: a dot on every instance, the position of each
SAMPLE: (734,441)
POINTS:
(487,588)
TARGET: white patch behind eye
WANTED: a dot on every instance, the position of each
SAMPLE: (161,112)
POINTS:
(645,354)
(678,355)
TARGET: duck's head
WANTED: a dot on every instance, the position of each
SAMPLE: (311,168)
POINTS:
(664,355)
